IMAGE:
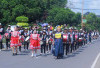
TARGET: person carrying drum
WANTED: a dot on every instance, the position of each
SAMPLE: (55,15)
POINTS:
(44,40)
(7,36)
(26,42)
(66,40)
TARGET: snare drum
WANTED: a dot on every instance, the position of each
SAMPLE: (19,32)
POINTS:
(65,37)
(80,39)
(41,42)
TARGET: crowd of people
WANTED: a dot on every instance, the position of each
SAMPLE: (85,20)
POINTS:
(59,41)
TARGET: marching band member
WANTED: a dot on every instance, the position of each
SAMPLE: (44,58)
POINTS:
(76,39)
(15,38)
(58,44)
(34,43)
(20,30)
(26,42)
(7,36)
(44,40)
(90,36)
(49,40)
(85,37)
(81,36)
(72,36)
(1,36)
(66,40)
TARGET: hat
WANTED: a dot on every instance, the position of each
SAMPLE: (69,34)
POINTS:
(58,27)
(44,28)
(80,29)
(65,28)
(44,31)
(48,26)
(9,25)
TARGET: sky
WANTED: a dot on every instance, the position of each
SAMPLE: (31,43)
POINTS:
(88,4)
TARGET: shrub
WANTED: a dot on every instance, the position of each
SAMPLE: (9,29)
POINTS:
(22,19)
(23,24)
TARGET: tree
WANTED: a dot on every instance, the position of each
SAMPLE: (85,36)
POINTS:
(33,9)
(93,22)
(61,16)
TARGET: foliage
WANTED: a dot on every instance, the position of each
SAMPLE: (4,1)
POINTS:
(23,24)
(93,22)
(33,9)
(22,19)
(63,16)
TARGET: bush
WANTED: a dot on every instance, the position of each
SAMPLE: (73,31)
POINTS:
(22,19)
(22,24)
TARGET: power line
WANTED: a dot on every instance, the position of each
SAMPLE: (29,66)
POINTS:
(84,9)
(84,1)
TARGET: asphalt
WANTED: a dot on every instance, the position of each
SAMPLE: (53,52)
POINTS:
(82,58)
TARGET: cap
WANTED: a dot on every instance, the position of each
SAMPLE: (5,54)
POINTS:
(65,28)
(0,23)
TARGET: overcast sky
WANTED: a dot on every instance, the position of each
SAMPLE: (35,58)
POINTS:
(88,4)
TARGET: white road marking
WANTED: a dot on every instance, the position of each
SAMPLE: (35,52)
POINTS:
(94,63)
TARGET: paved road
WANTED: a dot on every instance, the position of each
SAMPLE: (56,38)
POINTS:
(82,58)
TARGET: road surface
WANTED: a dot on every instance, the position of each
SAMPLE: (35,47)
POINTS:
(82,58)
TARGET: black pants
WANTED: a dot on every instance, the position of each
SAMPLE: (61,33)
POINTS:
(1,46)
(67,48)
(86,41)
(20,48)
(89,39)
(76,45)
(43,48)
(7,43)
(72,47)
(26,45)
(48,47)
(64,47)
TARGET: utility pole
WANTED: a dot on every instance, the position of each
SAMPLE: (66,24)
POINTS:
(82,14)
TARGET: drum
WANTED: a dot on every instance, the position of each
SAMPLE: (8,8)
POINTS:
(65,37)
(76,37)
(6,35)
(22,39)
(80,39)
(41,42)
(50,41)
(27,38)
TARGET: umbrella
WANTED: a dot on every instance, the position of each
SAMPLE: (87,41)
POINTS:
(45,24)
